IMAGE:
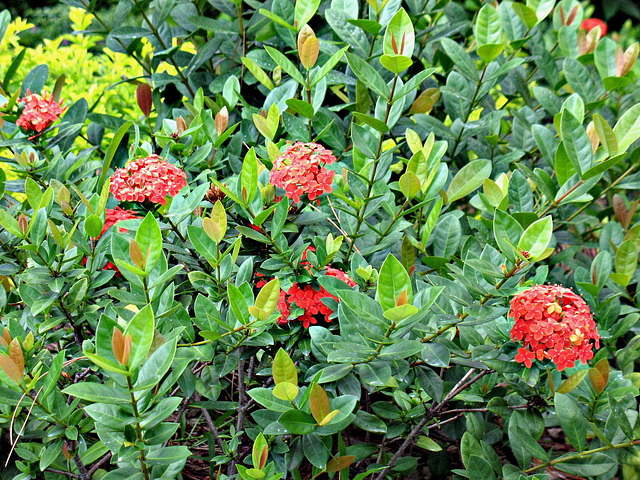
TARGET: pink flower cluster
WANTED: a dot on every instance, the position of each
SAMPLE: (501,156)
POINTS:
(150,178)
(300,169)
(39,112)
(308,298)
(554,323)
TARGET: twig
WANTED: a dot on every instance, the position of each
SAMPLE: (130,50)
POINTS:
(463,384)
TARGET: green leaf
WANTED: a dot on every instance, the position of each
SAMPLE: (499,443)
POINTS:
(526,14)
(111,151)
(392,283)
(572,420)
(627,258)
(469,178)
(286,391)
(141,329)
(319,73)
(304,11)
(98,393)
(627,129)
(409,185)
(283,369)
(572,382)
(536,237)
(314,450)
(249,176)
(267,300)
(488,28)
(285,64)
(507,232)
(258,72)
(395,63)
(480,469)
(368,75)
(606,135)
(460,58)
(576,142)
(149,239)
(427,444)
(399,38)
(297,422)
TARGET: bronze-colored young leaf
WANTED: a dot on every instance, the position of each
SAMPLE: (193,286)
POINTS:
(15,353)
(121,346)
(10,368)
(305,33)
(338,464)
(319,403)
(597,380)
(309,53)
(136,254)
(602,366)
(222,120)
(572,382)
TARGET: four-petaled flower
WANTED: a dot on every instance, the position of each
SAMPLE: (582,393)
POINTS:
(150,178)
(113,216)
(39,112)
(553,323)
(300,169)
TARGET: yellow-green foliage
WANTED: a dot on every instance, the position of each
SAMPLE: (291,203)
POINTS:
(87,74)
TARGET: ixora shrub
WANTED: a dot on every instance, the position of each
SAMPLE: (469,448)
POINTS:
(340,240)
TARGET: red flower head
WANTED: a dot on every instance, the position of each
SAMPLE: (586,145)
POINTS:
(307,297)
(150,178)
(589,24)
(554,323)
(115,215)
(300,169)
(39,112)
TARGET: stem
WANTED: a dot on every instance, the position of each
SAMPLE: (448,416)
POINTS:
(109,30)
(138,428)
(604,192)
(309,101)
(516,268)
(372,178)
(463,384)
(156,34)
(466,117)
(586,453)
(556,202)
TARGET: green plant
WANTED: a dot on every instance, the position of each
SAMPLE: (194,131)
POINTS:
(478,150)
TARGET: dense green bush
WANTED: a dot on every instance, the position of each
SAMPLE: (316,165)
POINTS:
(267,308)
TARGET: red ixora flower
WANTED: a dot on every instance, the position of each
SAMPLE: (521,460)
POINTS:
(307,297)
(113,216)
(589,24)
(150,178)
(553,323)
(300,169)
(39,112)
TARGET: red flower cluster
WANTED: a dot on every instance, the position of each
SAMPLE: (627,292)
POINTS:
(150,178)
(307,298)
(39,112)
(300,170)
(115,215)
(589,24)
(554,323)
